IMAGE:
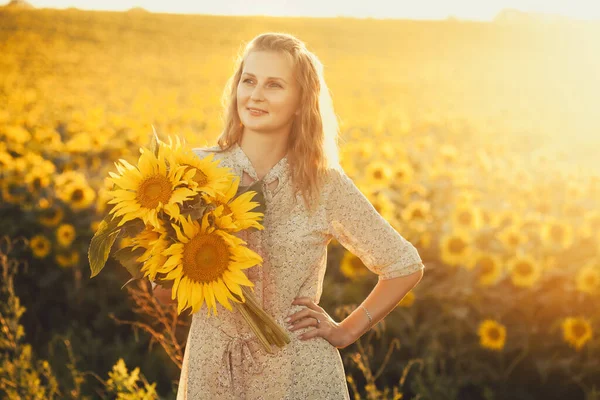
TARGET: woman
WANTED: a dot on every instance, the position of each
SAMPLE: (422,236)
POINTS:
(280,127)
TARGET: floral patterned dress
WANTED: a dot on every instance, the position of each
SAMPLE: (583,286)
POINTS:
(223,359)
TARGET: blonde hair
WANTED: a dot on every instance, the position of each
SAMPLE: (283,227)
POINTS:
(312,143)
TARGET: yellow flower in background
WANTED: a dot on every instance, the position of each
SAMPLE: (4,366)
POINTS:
(51,217)
(492,334)
(407,300)
(467,217)
(417,211)
(577,331)
(384,206)
(352,267)
(587,279)
(67,259)
(403,173)
(78,195)
(487,266)
(557,234)
(149,188)
(378,173)
(591,224)
(12,191)
(211,178)
(40,246)
(524,270)
(412,191)
(37,179)
(512,237)
(206,265)
(65,234)
(456,248)
(94,225)
(502,218)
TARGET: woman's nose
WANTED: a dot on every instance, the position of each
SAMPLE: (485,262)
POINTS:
(257,94)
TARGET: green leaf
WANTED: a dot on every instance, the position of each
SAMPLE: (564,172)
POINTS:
(128,259)
(132,228)
(102,242)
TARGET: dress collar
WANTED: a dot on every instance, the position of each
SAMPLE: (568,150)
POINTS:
(279,170)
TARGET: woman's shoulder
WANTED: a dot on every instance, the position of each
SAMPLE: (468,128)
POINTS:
(207,150)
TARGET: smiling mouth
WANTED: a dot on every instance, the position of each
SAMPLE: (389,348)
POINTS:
(256,112)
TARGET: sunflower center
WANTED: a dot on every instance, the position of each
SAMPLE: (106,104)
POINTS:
(524,268)
(494,334)
(557,233)
(418,214)
(37,183)
(465,218)
(457,245)
(153,190)
(205,258)
(77,195)
(579,330)
(487,266)
(356,263)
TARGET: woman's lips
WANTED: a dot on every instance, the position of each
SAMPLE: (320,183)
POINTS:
(256,113)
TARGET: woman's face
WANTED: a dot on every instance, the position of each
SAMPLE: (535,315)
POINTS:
(268,84)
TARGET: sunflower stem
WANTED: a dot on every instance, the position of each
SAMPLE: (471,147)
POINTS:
(262,324)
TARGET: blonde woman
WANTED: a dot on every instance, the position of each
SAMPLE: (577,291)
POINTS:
(280,127)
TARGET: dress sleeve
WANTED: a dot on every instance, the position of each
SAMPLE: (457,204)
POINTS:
(357,225)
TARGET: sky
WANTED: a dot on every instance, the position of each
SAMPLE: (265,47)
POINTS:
(480,10)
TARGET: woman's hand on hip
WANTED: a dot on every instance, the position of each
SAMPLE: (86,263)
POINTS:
(327,328)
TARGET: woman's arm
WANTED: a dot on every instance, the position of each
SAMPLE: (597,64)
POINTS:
(384,297)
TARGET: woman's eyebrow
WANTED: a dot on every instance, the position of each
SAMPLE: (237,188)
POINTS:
(269,77)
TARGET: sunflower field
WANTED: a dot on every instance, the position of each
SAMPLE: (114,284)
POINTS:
(477,141)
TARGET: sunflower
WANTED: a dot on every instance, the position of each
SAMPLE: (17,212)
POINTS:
(525,271)
(154,242)
(576,331)
(352,267)
(557,233)
(512,237)
(207,263)
(150,188)
(51,216)
(78,195)
(210,178)
(588,279)
(65,234)
(488,268)
(492,335)
(378,173)
(40,245)
(407,300)
(456,247)
(236,211)
(68,259)
(466,216)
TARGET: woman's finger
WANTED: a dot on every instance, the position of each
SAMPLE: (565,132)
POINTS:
(308,302)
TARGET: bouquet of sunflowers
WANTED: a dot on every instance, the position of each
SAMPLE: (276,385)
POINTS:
(180,213)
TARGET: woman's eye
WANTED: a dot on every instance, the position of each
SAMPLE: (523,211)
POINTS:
(274,84)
